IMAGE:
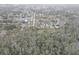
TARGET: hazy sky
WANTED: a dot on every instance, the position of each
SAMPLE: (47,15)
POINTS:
(39,1)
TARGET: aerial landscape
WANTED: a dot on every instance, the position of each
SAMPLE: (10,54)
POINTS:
(39,29)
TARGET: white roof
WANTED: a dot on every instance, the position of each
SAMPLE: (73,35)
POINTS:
(26,20)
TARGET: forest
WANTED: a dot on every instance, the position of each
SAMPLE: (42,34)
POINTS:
(36,30)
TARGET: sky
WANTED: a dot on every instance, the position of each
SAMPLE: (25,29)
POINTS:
(39,1)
